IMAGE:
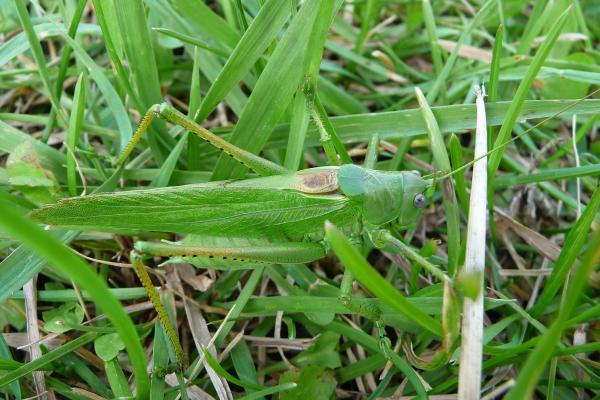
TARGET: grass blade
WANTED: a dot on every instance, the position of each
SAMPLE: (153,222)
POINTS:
(456,155)
(442,161)
(141,61)
(452,118)
(278,82)
(38,54)
(515,106)
(537,360)
(72,266)
(567,259)
(47,358)
(298,129)
(434,47)
(73,133)
(260,34)
(381,288)
(113,100)
(443,76)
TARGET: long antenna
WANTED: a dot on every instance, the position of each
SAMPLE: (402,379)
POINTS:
(467,165)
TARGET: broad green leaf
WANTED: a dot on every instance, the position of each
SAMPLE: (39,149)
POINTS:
(11,138)
(323,352)
(63,318)
(562,87)
(26,174)
(108,346)
(314,382)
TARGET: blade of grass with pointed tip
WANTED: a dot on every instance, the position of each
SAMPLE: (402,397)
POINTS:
(434,47)
(443,76)
(442,161)
(537,23)
(75,122)
(366,274)
(117,379)
(40,363)
(240,15)
(298,129)
(454,118)
(277,83)
(270,390)
(193,41)
(143,71)
(566,262)
(182,15)
(71,265)
(207,21)
(193,141)
(137,45)
(336,100)
(240,303)
(64,64)
(537,360)
(113,101)
(369,17)
(18,44)
(224,374)
(548,174)
(492,88)
(263,30)
(335,138)
(167,168)
(38,54)
(517,102)
(456,155)
(375,67)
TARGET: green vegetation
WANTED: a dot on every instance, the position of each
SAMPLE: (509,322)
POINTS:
(332,282)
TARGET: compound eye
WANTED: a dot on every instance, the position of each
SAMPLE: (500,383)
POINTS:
(420,201)
(417,173)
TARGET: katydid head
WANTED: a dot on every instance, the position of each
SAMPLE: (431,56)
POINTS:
(384,196)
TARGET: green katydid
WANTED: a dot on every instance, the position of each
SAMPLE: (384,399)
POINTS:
(287,209)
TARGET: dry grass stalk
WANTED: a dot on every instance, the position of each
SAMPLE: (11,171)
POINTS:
(469,383)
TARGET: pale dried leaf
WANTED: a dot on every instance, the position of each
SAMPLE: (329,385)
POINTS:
(543,245)
(465,51)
